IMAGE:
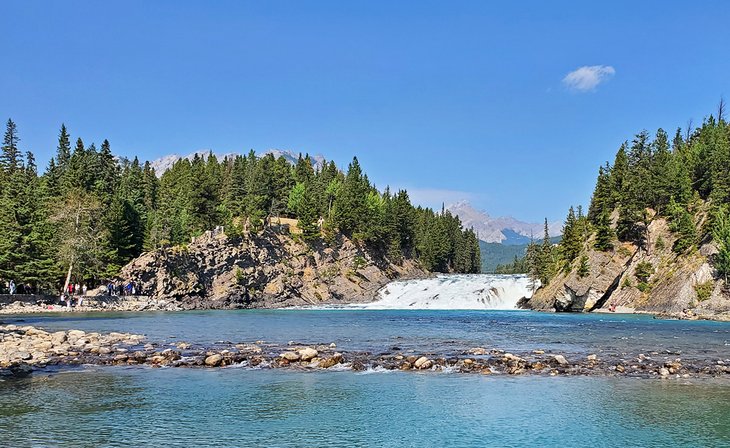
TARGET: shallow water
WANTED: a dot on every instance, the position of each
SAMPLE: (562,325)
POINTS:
(237,407)
(429,331)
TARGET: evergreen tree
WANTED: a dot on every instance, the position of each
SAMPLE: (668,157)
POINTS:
(604,233)
(619,176)
(10,159)
(601,199)
(351,202)
(308,217)
(584,267)
(662,181)
(63,150)
(546,263)
(682,224)
(572,240)
(721,235)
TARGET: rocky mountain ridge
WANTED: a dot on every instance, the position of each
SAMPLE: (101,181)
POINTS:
(502,229)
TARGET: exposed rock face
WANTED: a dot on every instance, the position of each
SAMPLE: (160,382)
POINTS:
(611,281)
(265,270)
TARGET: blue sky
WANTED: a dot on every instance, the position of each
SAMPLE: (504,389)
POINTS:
(452,100)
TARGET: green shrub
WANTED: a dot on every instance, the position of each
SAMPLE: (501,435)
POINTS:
(659,245)
(704,290)
(240,277)
(643,271)
(358,262)
(624,251)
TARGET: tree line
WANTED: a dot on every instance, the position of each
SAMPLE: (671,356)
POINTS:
(673,178)
(90,212)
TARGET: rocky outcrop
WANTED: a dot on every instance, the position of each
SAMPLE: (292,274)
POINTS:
(265,270)
(680,285)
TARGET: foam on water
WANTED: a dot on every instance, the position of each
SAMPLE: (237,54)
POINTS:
(455,292)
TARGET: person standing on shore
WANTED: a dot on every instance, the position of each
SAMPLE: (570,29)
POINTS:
(12,287)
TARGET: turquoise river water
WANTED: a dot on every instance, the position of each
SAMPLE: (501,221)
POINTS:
(142,406)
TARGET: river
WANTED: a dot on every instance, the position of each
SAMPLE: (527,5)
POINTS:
(234,406)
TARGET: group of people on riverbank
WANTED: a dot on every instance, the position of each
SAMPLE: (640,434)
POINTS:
(10,287)
(73,294)
(129,288)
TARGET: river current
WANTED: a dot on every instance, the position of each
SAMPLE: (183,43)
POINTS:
(233,406)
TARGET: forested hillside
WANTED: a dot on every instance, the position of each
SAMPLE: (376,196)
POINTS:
(89,212)
(660,202)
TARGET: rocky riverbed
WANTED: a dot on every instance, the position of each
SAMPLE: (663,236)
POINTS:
(24,349)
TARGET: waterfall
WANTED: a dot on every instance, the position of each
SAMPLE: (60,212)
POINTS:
(455,292)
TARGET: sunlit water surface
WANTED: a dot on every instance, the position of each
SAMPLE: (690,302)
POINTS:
(141,406)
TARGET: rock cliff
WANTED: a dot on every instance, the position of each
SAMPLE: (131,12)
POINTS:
(266,270)
(680,285)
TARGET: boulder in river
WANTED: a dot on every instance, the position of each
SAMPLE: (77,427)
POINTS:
(213,360)
(307,353)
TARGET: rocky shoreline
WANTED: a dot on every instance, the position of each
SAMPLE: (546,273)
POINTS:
(24,349)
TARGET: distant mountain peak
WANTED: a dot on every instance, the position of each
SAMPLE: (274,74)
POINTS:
(503,229)
(166,162)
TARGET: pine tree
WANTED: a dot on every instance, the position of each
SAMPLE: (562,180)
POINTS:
(604,233)
(682,224)
(721,236)
(546,262)
(12,184)
(619,176)
(10,159)
(601,199)
(63,150)
(350,204)
(308,217)
(584,267)
(572,240)
(662,182)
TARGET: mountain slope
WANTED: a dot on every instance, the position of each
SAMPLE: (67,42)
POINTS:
(504,229)
(677,284)
(494,254)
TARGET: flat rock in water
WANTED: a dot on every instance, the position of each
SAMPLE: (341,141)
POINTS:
(308,353)
(290,356)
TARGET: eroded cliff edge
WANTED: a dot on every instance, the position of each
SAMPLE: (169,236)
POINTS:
(269,269)
(683,285)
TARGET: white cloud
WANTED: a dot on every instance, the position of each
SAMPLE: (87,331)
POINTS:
(586,78)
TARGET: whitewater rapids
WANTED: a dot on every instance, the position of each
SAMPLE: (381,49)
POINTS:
(454,292)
